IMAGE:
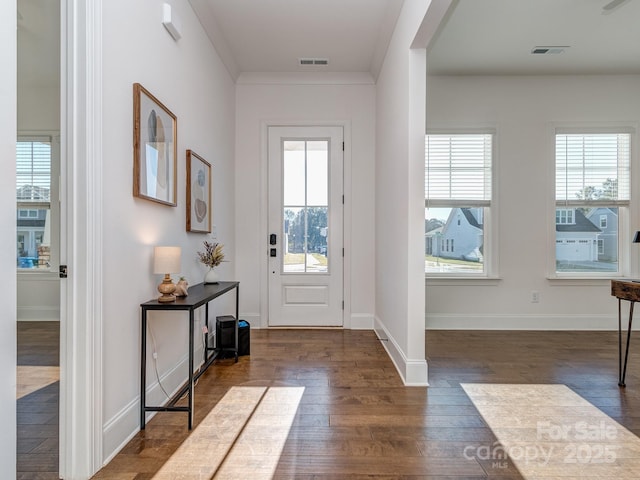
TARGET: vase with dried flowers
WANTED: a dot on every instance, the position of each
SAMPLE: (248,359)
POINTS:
(211,257)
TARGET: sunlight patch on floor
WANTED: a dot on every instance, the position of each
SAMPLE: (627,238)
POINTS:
(549,431)
(31,378)
(242,437)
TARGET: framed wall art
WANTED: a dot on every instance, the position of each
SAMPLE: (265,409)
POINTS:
(155,140)
(198,193)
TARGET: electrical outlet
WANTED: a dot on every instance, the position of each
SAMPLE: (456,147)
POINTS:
(535,296)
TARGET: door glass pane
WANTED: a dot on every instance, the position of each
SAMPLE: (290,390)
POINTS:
(317,231)
(294,172)
(317,173)
(306,206)
(293,243)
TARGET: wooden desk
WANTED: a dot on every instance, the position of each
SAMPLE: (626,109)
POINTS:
(630,291)
(199,295)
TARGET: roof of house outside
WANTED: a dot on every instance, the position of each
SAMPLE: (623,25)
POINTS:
(473,221)
(582,224)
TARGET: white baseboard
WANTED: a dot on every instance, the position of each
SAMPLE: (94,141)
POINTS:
(38,314)
(524,322)
(414,372)
(358,321)
(254,319)
(362,321)
(126,423)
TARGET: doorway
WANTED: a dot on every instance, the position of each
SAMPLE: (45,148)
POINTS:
(37,253)
(305,205)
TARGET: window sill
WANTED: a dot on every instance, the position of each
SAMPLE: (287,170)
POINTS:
(461,281)
(39,274)
(579,281)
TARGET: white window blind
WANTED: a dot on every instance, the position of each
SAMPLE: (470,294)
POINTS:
(593,168)
(33,170)
(458,169)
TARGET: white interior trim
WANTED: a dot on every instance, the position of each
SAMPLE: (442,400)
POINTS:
(81,240)
(414,372)
(574,322)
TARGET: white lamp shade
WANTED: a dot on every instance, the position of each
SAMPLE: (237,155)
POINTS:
(166,260)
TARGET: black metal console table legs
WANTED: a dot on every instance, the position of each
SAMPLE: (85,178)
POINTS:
(622,369)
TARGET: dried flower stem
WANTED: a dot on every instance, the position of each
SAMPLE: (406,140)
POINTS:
(212,255)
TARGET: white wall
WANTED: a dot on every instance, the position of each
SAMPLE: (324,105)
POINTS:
(522,110)
(188,77)
(38,107)
(300,100)
(8,128)
(399,132)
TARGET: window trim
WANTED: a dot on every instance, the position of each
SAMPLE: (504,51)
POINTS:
(626,209)
(490,210)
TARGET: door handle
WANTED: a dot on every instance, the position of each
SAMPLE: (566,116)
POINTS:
(272,252)
(272,239)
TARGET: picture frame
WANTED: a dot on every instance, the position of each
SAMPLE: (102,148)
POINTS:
(199,196)
(155,142)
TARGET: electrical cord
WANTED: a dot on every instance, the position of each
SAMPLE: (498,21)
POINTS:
(155,359)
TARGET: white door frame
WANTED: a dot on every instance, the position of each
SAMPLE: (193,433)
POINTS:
(81,239)
(264,214)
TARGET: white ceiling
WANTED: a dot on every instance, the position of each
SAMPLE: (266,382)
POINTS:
(38,42)
(479,36)
(497,36)
(272,35)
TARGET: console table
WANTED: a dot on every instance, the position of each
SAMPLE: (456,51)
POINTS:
(630,291)
(199,295)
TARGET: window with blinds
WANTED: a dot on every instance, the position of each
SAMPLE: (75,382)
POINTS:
(593,190)
(458,191)
(458,169)
(593,168)
(33,201)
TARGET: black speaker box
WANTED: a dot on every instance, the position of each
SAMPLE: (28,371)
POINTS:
(225,336)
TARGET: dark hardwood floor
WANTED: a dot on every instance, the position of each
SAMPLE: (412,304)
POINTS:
(38,350)
(356,420)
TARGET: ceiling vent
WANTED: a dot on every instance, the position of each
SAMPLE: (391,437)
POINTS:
(555,50)
(313,61)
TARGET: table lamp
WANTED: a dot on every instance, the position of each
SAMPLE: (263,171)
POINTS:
(166,260)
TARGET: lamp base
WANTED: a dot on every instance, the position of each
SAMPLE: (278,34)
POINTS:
(167,298)
(166,288)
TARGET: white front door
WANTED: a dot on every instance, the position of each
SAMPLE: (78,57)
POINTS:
(305,226)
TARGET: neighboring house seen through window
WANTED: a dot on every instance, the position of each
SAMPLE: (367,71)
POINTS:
(458,194)
(592,200)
